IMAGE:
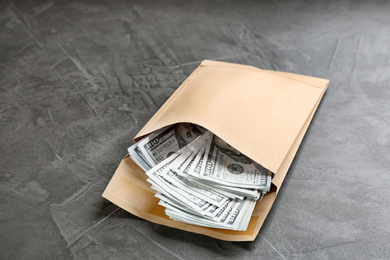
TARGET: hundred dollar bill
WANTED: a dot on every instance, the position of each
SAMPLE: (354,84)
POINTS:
(189,152)
(188,199)
(226,212)
(179,214)
(235,192)
(171,202)
(237,220)
(228,190)
(187,171)
(164,186)
(207,194)
(138,157)
(161,144)
(235,215)
(247,217)
(196,165)
(224,165)
(224,192)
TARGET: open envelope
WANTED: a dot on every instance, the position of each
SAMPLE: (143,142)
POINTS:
(263,114)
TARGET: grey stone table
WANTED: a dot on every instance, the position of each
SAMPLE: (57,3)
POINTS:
(78,79)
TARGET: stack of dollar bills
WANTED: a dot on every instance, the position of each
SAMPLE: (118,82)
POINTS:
(199,178)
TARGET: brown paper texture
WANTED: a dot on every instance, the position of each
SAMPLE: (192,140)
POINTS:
(263,114)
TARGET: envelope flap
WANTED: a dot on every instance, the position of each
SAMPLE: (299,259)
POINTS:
(258,112)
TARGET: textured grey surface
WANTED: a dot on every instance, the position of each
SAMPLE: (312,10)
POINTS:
(78,79)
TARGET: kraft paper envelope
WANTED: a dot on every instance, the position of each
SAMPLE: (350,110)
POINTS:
(263,114)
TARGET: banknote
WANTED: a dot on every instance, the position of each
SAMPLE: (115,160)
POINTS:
(185,197)
(161,144)
(237,192)
(237,216)
(165,186)
(189,152)
(176,205)
(138,157)
(224,192)
(196,165)
(188,170)
(206,193)
(234,215)
(223,164)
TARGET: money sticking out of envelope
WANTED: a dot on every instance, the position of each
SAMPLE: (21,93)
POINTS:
(199,178)
(214,156)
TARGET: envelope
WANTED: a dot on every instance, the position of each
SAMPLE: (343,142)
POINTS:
(263,114)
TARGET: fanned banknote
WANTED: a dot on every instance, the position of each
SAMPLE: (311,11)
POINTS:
(161,144)
(225,166)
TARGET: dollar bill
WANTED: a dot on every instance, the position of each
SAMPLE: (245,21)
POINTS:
(161,144)
(171,202)
(196,165)
(138,157)
(208,194)
(234,215)
(163,185)
(222,165)
(189,152)
(236,192)
(187,199)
